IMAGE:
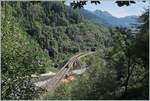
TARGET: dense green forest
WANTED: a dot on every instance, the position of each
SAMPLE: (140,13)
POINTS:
(38,37)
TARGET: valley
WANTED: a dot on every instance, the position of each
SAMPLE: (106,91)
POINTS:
(51,51)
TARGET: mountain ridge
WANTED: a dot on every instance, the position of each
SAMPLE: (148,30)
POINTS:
(122,21)
(105,18)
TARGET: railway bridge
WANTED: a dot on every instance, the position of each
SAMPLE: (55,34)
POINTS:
(67,69)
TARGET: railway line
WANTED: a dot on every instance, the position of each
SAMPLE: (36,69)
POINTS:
(53,82)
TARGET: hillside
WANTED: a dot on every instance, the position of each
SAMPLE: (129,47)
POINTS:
(58,29)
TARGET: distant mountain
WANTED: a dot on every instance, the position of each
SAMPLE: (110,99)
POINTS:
(114,21)
(106,19)
(92,17)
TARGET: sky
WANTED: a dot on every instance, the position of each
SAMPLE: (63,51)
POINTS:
(111,7)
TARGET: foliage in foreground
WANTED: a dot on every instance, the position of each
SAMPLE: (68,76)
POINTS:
(21,57)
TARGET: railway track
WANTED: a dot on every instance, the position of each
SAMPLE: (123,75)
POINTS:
(53,82)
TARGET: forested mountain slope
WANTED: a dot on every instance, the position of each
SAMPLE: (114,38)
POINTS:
(58,29)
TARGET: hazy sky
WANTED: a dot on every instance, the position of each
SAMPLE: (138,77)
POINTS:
(112,8)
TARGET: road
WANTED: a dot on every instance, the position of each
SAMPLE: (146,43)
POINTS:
(53,82)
